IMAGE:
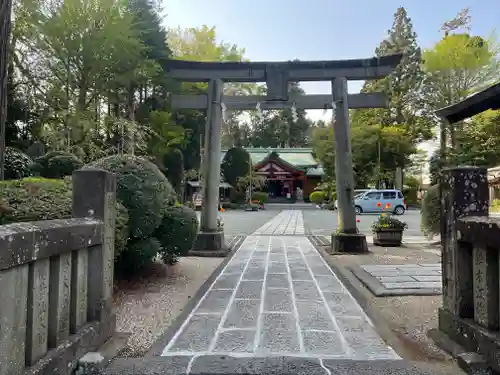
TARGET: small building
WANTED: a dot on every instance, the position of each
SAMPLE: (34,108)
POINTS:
(285,170)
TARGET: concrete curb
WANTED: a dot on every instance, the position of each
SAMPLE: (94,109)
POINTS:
(379,290)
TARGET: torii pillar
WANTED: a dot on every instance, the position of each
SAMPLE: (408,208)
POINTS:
(210,240)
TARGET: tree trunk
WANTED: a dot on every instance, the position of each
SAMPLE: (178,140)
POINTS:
(5,25)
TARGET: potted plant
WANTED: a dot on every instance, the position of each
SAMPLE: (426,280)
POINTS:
(388,231)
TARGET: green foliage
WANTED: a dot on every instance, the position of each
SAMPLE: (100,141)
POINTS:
(17,164)
(143,190)
(177,232)
(35,199)
(387,222)
(63,165)
(317,197)
(173,167)
(430,219)
(235,165)
(495,205)
(138,254)
(260,196)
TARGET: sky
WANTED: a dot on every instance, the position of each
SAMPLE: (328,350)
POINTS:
(281,30)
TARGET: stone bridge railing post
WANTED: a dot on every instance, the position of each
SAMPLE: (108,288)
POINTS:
(94,195)
(463,192)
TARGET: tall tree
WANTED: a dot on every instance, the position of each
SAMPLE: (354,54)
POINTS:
(457,66)
(5,25)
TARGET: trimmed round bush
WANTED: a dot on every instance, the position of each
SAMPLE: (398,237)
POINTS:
(260,196)
(177,232)
(430,214)
(138,254)
(17,164)
(142,189)
(36,198)
(63,165)
(317,197)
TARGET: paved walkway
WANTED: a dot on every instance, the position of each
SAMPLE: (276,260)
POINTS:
(288,222)
(278,297)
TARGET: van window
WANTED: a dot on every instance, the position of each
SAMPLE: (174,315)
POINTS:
(389,194)
(400,195)
(373,195)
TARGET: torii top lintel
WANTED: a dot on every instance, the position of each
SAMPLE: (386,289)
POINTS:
(278,74)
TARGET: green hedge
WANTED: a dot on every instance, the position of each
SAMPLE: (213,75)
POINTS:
(143,190)
(317,197)
(495,205)
(177,232)
(138,254)
(17,164)
(430,214)
(56,164)
(260,196)
(63,165)
(36,198)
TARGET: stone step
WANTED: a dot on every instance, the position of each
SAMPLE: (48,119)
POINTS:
(220,365)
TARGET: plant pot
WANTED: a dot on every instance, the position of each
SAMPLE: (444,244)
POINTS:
(388,237)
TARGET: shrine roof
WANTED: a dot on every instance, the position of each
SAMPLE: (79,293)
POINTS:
(298,157)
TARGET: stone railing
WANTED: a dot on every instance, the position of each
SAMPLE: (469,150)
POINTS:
(56,282)
(470,256)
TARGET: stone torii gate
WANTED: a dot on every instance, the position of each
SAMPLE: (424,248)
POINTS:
(277,76)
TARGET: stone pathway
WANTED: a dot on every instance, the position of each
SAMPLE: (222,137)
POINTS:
(278,297)
(288,222)
(397,280)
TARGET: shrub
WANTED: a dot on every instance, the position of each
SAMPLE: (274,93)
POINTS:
(63,165)
(237,196)
(177,232)
(236,164)
(317,197)
(35,198)
(17,164)
(430,214)
(139,253)
(40,166)
(385,222)
(260,196)
(173,168)
(143,190)
(495,205)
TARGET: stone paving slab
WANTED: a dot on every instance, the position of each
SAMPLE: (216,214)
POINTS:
(278,297)
(216,364)
(287,222)
(401,280)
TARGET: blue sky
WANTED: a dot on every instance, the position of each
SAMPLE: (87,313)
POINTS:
(275,30)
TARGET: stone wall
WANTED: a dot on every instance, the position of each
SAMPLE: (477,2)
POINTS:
(56,280)
(470,257)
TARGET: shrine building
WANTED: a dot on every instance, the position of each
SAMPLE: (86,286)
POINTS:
(285,170)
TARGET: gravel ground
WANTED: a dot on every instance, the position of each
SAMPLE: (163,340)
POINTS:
(146,306)
(409,316)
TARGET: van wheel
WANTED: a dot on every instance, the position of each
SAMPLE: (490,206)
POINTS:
(358,210)
(399,210)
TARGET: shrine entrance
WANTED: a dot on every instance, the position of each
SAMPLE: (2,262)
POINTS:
(278,76)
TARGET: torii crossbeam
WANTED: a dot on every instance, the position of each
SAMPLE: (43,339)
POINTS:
(277,76)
